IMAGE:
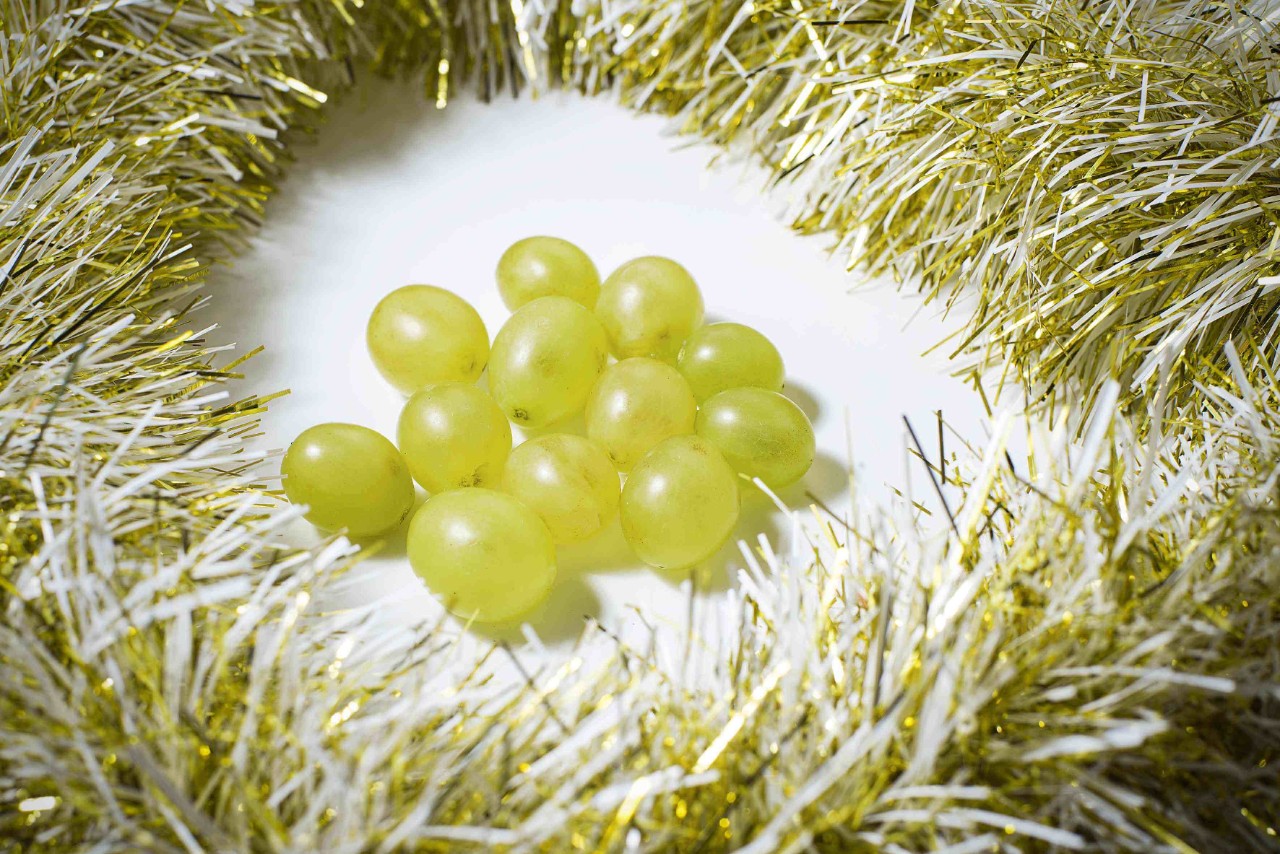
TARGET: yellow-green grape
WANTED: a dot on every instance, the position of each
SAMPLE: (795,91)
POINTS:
(421,335)
(729,355)
(545,360)
(483,553)
(453,435)
(761,433)
(568,481)
(350,477)
(636,404)
(546,267)
(680,503)
(649,306)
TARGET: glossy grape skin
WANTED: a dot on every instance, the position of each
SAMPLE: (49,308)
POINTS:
(545,360)
(637,403)
(680,503)
(421,335)
(761,433)
(546,266)
(483,553)
(649,306)
(568,481)
(729,355)
(350,477)
(453,435)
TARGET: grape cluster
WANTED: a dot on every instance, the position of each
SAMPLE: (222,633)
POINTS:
(683,413)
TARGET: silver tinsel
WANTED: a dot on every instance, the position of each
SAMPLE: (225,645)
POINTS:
(1083,657)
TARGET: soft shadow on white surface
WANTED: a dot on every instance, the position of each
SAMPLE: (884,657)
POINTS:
(395,192)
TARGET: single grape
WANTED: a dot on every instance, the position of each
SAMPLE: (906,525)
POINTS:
(761,433)
(729,355)
(421,335)
(546,267)
(637,403)
(350,477)
(545,360)
(483,553)
(453,435)
(568,481)
(649,306)
(680,503)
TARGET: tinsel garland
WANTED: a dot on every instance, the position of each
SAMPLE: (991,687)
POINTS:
(1083,655)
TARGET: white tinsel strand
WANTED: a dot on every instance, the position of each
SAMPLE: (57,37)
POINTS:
(950,673)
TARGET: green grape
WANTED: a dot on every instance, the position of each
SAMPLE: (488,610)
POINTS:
(568,481)
(729,355)
(761,433)
(637,403)
(453,435)
(546,267)
(350,477)
(421,335)
(680,503)
(487,556)
(545,360)
(649,306)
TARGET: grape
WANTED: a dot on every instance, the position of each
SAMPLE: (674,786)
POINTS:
(349,477)
(636,404)
(680,503)
(487,556)
(568,481)
(729,355)
(453,435)
(420,335)
(545,361)
(649,306)
(544,267)
(761,433)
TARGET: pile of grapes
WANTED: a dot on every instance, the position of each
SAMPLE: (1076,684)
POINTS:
(683,412)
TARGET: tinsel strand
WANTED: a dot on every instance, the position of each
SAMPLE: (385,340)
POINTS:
(1086,661)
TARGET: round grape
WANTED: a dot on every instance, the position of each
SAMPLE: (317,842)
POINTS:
(350,477)
(649,306)
(483,553)
(421,335)
(729,355)
(761,433)
(680,503)
(545,360)
(637,403)
(453,435)
(546,267)
(568,481)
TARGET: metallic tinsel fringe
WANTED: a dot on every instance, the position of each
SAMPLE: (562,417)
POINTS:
(1084,656)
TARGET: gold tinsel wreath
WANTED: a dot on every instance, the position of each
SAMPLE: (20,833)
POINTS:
(1084,656)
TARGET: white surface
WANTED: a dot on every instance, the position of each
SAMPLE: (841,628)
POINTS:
(395,192)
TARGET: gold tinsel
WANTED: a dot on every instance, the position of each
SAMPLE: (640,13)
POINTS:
(1084,655)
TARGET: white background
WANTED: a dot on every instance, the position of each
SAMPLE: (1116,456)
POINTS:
(395,192)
